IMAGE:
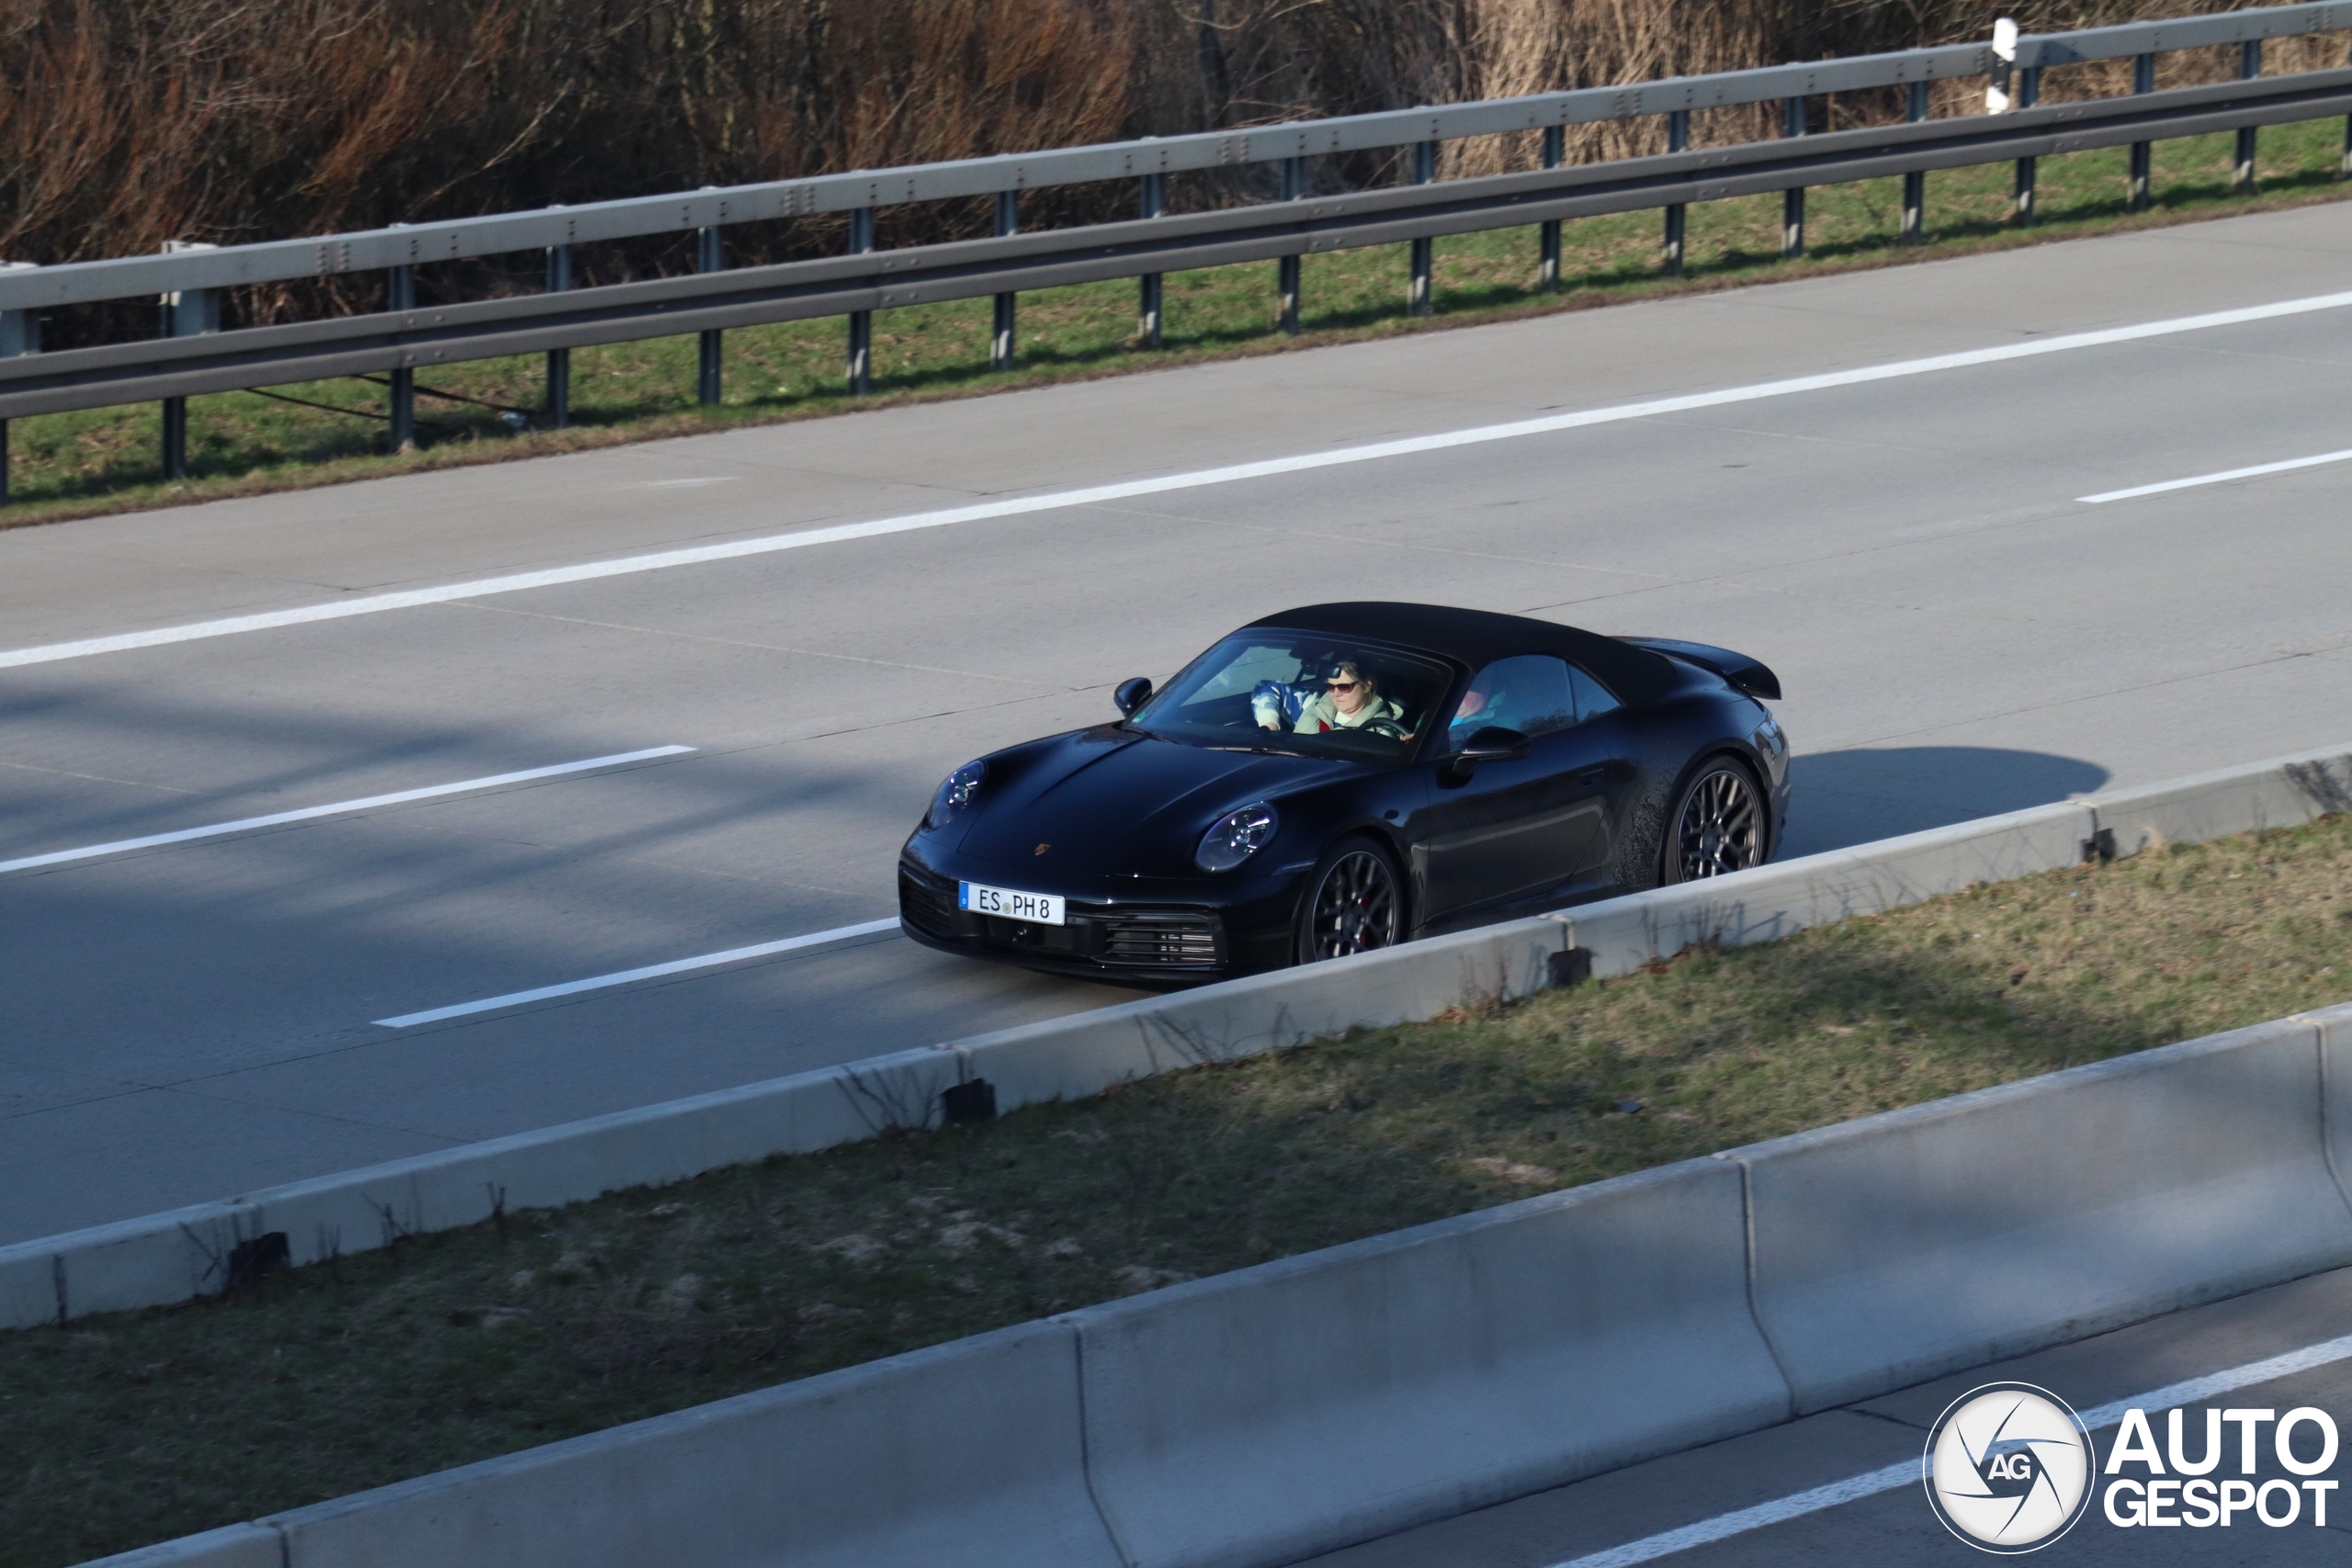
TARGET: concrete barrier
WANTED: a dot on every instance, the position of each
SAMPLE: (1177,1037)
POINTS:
(2334,1026)
(133,1263)
(1071,1057)
(1902,1246)
(239,1546)
(2280,793)
(965,1453)
(1296,1407)
(171,1258)
(1774,901)
(652,1145)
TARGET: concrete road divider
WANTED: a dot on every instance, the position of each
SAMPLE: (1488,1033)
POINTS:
(966,1453)
(1778,900)
(2334,1026)
(239,1546)
(649,1147)
(1071,1057)
(196,1251)
(134,1263)
(1902,1246)
(170,1257)
(2280,793)
(1292,1408)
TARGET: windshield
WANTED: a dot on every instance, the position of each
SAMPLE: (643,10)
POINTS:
(1305,691)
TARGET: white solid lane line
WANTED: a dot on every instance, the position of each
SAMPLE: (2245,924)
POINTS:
(336,808)
(651,972)
(1099,494)
(2223,477)
(1910,1472)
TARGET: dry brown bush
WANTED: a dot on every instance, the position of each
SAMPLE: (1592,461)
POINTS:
(127,122)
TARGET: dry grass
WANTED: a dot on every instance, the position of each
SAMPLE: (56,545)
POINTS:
(127,122)
(451,1347)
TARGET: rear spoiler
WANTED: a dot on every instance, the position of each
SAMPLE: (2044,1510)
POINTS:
(1744,673)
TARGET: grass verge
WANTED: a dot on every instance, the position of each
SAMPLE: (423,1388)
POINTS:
(454,1347)
(103,460)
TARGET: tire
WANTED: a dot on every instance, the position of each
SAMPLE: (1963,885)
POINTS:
(1355,903)
(1719,823)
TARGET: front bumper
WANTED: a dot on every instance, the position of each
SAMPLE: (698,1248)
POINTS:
(1157,937)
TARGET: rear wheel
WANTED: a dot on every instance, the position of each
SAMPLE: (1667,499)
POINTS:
(1717,825)
(1355,903)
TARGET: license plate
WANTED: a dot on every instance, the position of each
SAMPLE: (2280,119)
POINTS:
(1037,909)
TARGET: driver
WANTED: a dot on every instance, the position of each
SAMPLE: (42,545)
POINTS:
(1348,701)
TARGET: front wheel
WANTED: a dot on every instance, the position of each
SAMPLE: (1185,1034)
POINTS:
(1355,903)
(1717,825)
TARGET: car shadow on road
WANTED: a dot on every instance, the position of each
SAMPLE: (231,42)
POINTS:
(1840,798)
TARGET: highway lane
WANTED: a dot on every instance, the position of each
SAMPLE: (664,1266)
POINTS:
(1617,1519)
(1959,633)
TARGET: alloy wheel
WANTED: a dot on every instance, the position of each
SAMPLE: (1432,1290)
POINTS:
(1355,907)
(1720,827)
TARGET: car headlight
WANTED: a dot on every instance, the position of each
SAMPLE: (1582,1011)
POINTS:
(955,793)
(1236,836)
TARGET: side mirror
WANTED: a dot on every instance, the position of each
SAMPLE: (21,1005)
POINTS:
(1132,694)
(1492,744)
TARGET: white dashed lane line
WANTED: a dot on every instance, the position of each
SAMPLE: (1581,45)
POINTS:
(650,972)
(2222,477)
(333,808)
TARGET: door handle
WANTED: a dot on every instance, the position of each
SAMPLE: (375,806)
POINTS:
(1591,775)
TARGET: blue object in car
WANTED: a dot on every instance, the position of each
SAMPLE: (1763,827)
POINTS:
(1269,699)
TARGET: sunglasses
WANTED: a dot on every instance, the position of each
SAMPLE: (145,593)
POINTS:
(1342,685)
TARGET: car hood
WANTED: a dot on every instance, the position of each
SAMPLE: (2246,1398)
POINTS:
(1110,801)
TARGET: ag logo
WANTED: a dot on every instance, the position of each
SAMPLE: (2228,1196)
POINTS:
(2009,1468)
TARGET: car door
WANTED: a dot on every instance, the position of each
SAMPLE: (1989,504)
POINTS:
(1512,831)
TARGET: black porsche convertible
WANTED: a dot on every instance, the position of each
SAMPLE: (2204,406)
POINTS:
(1341,777)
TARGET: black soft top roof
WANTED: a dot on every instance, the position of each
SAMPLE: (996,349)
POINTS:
(1479,637)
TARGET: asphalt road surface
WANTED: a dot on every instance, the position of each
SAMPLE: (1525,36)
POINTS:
(1959,633)
(1637,1515)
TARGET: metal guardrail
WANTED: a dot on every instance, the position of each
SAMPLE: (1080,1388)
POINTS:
(835,286)
(194,357)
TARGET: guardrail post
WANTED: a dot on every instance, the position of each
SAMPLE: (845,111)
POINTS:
(1914,184)
(2249,67)
(191,313)
(399,294)
(1152,202)
(1678,139)
(19,333)
(1424,249)
(710,255)
(2021,198)
(1792,200)
(1000,335)
(1547,241)
(861,323)
(558,399)
(2144,80)
(1287,268)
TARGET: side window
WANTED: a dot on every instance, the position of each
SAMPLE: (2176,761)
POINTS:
(1529,694)
(1593,699)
